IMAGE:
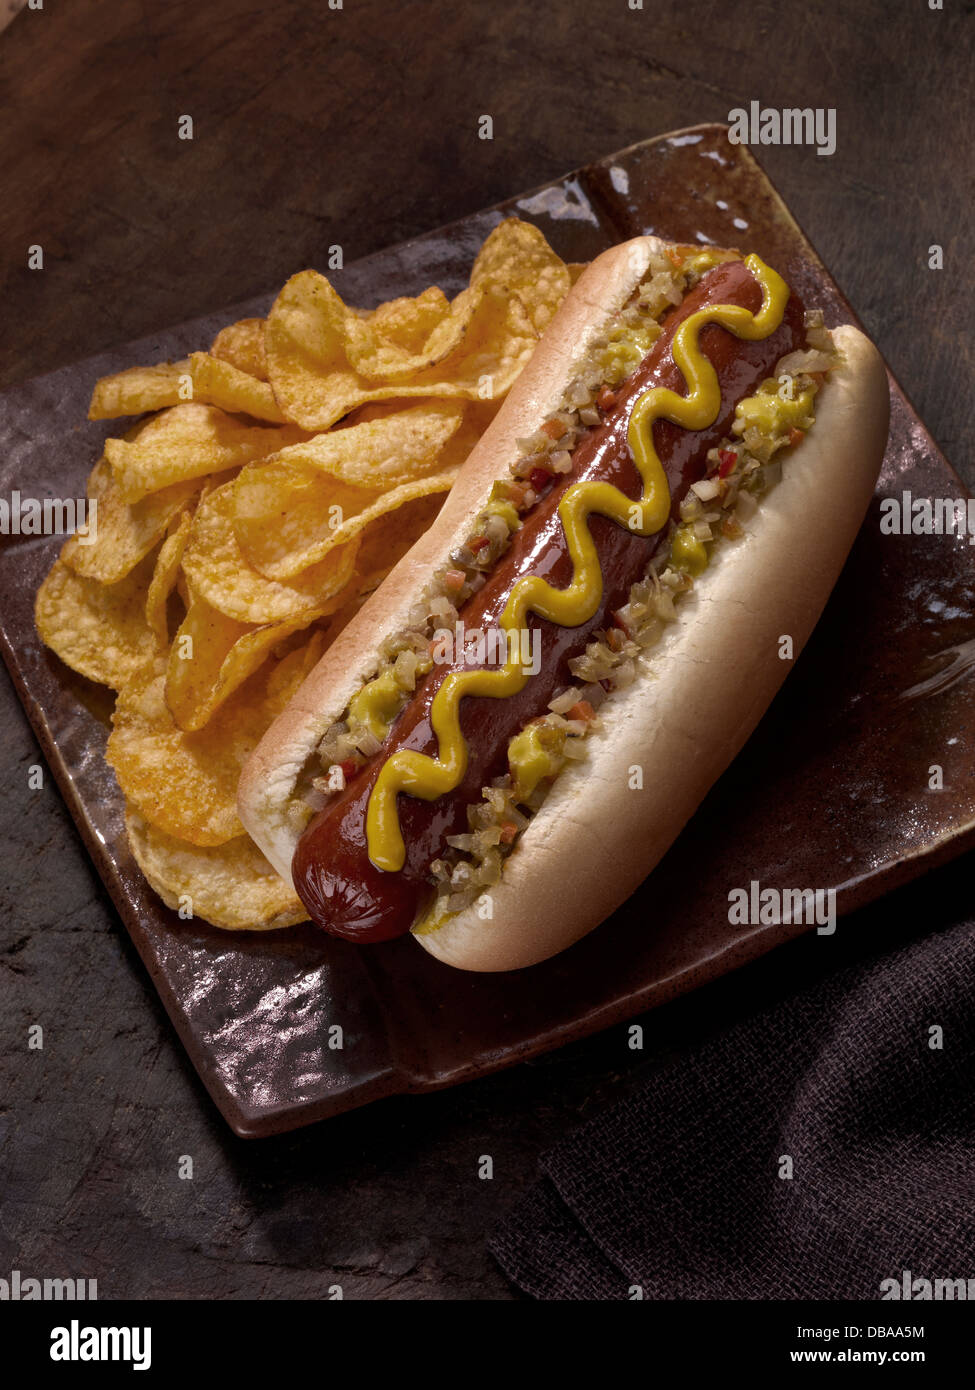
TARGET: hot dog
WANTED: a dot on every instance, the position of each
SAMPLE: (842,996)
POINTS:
(620,534)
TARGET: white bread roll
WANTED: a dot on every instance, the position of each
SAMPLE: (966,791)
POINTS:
(701,691)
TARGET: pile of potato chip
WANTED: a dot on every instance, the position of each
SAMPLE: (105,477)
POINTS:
(277,480)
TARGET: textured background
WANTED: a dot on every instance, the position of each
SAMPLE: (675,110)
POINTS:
(359,126)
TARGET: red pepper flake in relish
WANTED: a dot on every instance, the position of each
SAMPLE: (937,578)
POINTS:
(582,709)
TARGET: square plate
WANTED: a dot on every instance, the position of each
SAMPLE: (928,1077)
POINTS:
(831,792)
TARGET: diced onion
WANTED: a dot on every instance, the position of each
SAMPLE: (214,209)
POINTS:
(536,443)
(577,394)
(707,489)
(461,875)
(663,606)
(804,361)
(442,608)
(649,633)
(404,670)
(564,702)
(315,797)
(821,338)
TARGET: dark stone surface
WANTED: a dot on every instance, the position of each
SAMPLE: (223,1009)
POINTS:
(315,126)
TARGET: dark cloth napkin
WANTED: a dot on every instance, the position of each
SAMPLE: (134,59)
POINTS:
(677,1188)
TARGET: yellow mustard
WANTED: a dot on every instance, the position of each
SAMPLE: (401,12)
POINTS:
(773,414)
(429,778)
(506,510)
(688,552)
(534,753)
(378,703)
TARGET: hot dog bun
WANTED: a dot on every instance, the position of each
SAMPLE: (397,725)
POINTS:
(704,687)
(594,841)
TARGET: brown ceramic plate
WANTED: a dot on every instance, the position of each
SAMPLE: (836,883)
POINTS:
(831,792)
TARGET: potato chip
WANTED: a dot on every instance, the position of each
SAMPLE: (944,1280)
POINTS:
(477,416)
(286,517)
(517,260)
(230,885)
(183,783)
(139,389)
(309,531)
(372,354)
(218,571)
(186,783)
(97,629)
(211,656)
(501,345)
(408,323)
(164,577)
(220,383)
(242,345)
(286,676)
(397,448)
(388,537)
(317,349)
(123,534)
(210,380)
(190,441)
(316,395)
(304,341)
